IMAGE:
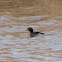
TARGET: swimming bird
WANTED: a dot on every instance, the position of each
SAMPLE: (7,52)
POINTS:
(32,33)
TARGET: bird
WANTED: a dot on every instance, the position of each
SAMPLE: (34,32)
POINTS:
(32,33)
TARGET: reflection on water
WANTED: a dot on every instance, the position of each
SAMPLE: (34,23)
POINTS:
(17,46)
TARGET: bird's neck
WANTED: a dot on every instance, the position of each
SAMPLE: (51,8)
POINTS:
(31,31)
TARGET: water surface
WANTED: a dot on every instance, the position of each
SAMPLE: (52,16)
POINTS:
(17,46)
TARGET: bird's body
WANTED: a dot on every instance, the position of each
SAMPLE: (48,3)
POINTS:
(32,33)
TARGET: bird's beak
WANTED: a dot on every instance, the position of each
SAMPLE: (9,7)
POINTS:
(27,30)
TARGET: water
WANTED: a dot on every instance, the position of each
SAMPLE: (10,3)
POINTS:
(17,46)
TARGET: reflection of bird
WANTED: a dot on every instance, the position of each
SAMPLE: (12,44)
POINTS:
(33,34)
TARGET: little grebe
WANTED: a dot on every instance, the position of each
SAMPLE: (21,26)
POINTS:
(32,33)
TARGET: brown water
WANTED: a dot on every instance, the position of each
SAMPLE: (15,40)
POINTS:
(15,43)
(17,46)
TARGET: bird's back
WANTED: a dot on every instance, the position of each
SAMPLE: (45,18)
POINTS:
(33,34)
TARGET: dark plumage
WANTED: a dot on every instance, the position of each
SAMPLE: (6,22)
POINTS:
(32,33)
